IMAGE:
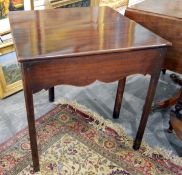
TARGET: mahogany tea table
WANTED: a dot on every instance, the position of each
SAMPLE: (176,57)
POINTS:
(78,46)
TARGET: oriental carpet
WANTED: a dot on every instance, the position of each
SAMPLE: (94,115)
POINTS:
(73,140)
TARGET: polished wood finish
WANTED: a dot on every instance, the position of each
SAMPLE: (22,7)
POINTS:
(119,97)
(87,69)
(96,31)
(81,46)
(163,17)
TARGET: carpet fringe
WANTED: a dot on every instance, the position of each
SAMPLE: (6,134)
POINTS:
(117,127)
(103,122)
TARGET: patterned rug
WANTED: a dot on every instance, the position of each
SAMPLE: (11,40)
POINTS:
(72,140)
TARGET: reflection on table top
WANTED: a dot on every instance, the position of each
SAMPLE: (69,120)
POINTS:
(77,31)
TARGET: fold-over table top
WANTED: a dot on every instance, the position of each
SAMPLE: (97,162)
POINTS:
(62,33)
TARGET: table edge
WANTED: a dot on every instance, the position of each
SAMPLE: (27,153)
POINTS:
(47,57)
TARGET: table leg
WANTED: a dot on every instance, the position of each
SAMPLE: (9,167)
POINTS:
(31,120)
(119,97)
(51,94)
(146,111)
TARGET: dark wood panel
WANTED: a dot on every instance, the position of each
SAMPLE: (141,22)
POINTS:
(85,70)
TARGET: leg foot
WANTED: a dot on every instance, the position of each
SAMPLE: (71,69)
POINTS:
(31,119)
(51,94)
(164,71)
(136,145)
(146,111)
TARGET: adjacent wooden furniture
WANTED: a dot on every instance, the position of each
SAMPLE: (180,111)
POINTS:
(165,19)
(81,46)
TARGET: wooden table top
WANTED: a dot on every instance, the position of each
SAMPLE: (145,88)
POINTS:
(170,8)
(57,33)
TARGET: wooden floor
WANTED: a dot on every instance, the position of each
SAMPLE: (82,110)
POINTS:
(99,97)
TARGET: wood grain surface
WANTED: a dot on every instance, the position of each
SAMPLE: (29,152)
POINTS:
(77,31)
